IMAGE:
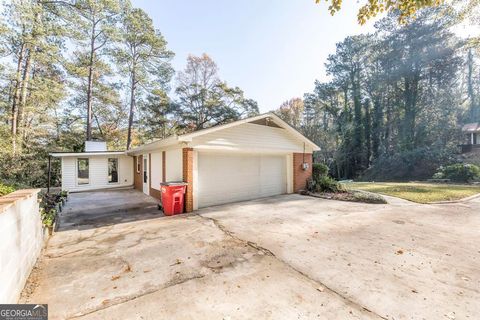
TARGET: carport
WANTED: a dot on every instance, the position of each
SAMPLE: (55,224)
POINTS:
(95,209)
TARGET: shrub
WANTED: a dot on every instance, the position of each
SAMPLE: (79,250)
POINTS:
(319,170)
(327,184)
(48,217)
(458,172)
(4,189)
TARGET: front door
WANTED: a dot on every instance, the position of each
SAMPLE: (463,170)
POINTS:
(146,178)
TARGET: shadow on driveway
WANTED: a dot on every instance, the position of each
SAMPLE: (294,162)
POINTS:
(95,209)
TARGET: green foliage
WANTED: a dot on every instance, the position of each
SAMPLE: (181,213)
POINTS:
(324,183)
(204,100)
(377,117)
(142,46)
(420,163)
(319,170)
(5,189)
(458,172)
(328,184)
(371,8)
(28,170)
(48,206)
(48,217)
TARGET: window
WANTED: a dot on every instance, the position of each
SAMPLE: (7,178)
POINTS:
(138,163)
(83,171)
(112,170)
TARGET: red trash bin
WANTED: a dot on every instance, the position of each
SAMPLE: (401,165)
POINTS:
(172,197)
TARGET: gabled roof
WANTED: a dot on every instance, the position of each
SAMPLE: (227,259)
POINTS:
(471,127)
(172,140)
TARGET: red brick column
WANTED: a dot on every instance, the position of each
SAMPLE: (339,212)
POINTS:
(164,167)
(301,176)
(188,177)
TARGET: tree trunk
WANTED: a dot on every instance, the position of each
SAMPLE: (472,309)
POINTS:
(90,84)
(474,116)
(376,127)
(368,133)
(132,108)
(358,134)
(16,98)
(23,94)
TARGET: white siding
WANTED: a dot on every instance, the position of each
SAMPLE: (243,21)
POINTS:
(98,167)
(250,138)
(174,165)
(156,167)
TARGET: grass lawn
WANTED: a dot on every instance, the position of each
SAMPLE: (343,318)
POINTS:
(417,192)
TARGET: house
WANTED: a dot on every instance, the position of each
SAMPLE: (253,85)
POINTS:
(251,158)
(471,131)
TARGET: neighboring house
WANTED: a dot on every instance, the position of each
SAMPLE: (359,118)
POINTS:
(470,149)
(246,159)
(471,131)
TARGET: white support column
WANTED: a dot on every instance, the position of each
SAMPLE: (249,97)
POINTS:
(195,180)
(289,163)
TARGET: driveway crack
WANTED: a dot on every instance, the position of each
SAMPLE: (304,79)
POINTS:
(266,251)
(121,300)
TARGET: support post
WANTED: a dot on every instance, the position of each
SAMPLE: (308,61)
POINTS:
(49,172)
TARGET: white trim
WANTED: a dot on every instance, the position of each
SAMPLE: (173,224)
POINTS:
(146,171)
(195,180)
(153,145)
(86,154)
(289,172)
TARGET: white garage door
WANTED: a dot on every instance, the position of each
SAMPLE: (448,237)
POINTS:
(224,178)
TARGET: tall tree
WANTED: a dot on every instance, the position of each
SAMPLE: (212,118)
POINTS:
(94,24)
(205,100)
(292,111)
(143,57)
(33,39)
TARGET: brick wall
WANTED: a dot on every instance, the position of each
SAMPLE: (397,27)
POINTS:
(188,177)
(300,176)
(164,166)
(138,176)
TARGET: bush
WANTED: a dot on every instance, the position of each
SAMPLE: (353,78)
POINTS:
(4,189)
(325,184)
(458,172)
(319,170)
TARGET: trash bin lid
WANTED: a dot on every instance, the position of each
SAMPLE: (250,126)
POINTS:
(174,183)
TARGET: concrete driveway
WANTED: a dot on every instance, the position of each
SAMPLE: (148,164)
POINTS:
(285,257)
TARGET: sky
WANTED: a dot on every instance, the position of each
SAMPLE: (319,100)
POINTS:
(272,49)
